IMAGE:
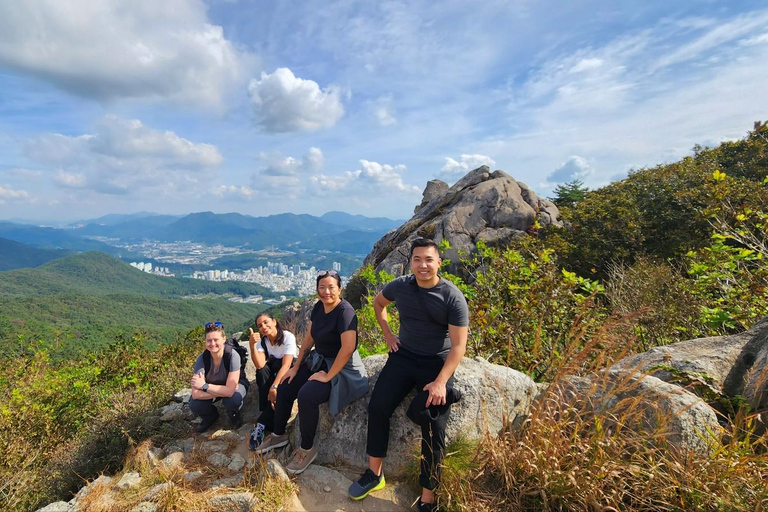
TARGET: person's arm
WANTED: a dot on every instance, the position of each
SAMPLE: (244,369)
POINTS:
(348,339)
(214,390)
(436,388)
(380,304)
(259,358)
(306,346)
(286,365)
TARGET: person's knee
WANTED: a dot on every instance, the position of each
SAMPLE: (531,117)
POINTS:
(311,394)
(380,406)
(200,407)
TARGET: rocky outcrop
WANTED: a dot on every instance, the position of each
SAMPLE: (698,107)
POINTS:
(482,206)
(676,416)
(491,395)
(716,368)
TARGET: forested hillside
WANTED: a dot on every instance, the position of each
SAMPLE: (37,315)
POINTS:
(80,303)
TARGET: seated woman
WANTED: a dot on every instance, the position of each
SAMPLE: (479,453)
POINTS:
(216,376)
(273,356)
(332,373)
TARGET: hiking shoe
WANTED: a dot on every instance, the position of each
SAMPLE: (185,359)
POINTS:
(367,483)
(271,442)
(207,422)
(235,419)
(425,507)
(301,460)
(257,436)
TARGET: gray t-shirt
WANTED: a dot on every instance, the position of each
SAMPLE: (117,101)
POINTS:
(420,333)
(217,375)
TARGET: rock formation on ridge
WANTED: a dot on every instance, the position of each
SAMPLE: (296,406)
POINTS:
(482,206)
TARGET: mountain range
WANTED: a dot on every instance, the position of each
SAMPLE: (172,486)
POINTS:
(331,232)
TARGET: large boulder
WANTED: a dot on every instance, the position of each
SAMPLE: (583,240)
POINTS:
(645,403)
(482,206)
(717,367)
(491,395)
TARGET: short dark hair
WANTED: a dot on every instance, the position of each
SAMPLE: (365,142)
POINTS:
(215,327)
(423,242)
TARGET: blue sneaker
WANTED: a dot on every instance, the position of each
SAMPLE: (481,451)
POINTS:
(367,483)
(257,436)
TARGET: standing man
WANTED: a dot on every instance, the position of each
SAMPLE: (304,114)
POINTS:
(434,320)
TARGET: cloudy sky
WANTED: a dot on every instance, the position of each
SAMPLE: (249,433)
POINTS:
(271,106)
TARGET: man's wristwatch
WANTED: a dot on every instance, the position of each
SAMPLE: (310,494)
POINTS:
(273,386)
(205,387)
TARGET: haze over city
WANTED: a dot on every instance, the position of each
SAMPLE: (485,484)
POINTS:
(267,107)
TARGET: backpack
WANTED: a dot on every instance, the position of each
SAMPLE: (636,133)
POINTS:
(230,345)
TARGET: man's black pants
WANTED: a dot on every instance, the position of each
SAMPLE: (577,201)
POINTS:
(403,371)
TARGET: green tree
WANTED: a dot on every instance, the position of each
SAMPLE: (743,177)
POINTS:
(568,194)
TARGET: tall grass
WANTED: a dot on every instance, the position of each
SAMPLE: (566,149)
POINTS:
(67,421)
(571,456)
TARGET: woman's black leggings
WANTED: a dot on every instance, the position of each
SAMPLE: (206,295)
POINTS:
(310,394)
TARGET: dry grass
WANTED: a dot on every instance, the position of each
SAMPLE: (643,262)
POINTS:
(570,456)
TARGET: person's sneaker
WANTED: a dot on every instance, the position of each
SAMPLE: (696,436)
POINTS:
(271,442)
(207,422)
(425,507)
(257,436)
(367,483)
(235,419)
(301,460)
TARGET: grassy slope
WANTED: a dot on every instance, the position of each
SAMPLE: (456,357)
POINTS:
(82,302)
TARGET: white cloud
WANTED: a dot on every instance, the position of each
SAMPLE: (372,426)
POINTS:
(454,169)
(283,103)
(234,192)
(9,194)
(110,49)
(278,165)
(585,64)
(575,168)
(374,177)
(125,157)
(383,111)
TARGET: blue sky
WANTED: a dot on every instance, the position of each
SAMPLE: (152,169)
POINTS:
(263,107)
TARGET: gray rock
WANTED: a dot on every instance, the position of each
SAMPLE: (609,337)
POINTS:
(145,507)
(241,501)
(490,394)
(433,190)
(129,480)
(319,478)
(192,475)
(218,460)
(482,206)
(686,421)
(101,480)
(183,396)
(276,470)
(237,463)
(154,455)
(722,365)
(232,481)
(58,506)
(214,447)
(173,460)
(156,490)
(184,446)
(172,412)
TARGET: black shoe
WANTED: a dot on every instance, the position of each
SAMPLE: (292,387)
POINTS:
(207,422)
(235,419)
(425,507)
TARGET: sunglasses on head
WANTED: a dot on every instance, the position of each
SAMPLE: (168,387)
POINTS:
(213,324)
(326,273)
